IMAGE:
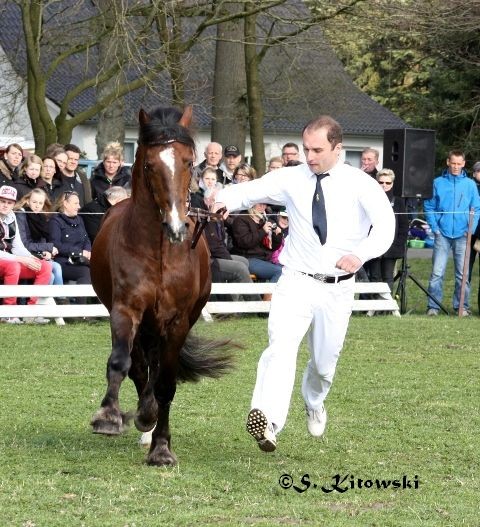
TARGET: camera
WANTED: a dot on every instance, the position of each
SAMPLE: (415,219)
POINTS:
(38,254)
(77,259)
(274,226)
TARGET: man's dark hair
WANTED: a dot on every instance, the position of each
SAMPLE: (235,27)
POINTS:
(456,153)
(291,145)
(334,130)
(72,148)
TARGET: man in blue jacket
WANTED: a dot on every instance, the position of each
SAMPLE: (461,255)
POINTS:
(447,213)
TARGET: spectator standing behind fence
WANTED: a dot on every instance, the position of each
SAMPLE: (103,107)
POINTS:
(382,268)
(447,213)
(232,157)
(111,172)
(16,262)
(474,249)
(52,178)
(70,181)
(290,152)
(72,171)
(244,172)
(369,161)
(256,238)
(92,213)
(10,163)
(32,219)
(68,234)
(213,158)
(29,177)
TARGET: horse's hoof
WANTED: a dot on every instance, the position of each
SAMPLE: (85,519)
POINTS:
(110,423)
(163,460)
(107,428)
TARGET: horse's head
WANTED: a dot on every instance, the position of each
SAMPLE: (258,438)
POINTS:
(166,154)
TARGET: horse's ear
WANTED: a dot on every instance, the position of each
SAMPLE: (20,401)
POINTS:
(143,117)
(186,117)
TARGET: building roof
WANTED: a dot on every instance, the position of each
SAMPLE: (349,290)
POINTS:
(299,82)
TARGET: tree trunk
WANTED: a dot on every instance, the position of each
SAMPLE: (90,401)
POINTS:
(255,108)
(229,108)
(111,126)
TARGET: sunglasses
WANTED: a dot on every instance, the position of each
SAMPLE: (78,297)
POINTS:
(385,182)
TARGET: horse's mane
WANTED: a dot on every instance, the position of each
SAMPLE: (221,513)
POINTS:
(163,127)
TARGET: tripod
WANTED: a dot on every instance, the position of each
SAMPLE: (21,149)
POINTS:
(401,291)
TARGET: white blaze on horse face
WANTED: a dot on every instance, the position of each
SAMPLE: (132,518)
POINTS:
(168,157)
(176,224)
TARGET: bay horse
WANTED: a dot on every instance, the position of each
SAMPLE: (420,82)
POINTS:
(154,284)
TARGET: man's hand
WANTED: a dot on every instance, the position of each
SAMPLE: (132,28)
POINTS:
(349,263)
(218,206)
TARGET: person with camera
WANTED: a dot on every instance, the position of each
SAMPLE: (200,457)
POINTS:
(32,218)
(68,234)
(256,238)
(16,261)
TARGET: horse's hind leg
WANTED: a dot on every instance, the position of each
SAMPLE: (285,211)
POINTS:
(110,420)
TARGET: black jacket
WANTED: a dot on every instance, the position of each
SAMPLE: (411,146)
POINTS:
(100,182)
(32,243)
(74,184)
(69,236)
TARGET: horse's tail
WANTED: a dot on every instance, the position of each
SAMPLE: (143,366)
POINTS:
(201,357)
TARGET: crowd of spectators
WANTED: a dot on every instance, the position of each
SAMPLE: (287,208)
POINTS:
(50,214)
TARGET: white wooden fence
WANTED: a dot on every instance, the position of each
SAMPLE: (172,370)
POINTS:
(48,308)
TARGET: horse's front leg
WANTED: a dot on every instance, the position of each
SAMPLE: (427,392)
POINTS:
(165,386)
(110,420)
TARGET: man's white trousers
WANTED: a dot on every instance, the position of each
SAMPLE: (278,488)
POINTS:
(300,302)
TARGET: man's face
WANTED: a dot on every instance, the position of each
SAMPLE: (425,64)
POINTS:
(6,205)
(232,162)
(318,151)
(290,153)
(72,161)
(455,165)
(368,162)
(213,154)
(111,164)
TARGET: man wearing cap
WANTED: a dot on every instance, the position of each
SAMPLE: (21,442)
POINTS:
(231,159)
(16,262)
(339,217)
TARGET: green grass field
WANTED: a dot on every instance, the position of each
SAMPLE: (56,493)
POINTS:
(405,402)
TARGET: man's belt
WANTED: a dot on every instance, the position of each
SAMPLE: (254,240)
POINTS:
(326,279)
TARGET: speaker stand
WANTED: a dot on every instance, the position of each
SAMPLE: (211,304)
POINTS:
(401,291)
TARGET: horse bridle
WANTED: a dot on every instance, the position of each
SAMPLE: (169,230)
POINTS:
(201,216)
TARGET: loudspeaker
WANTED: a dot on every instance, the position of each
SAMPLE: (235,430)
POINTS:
(410,153)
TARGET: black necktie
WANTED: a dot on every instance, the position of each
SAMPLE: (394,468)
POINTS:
(319,214)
